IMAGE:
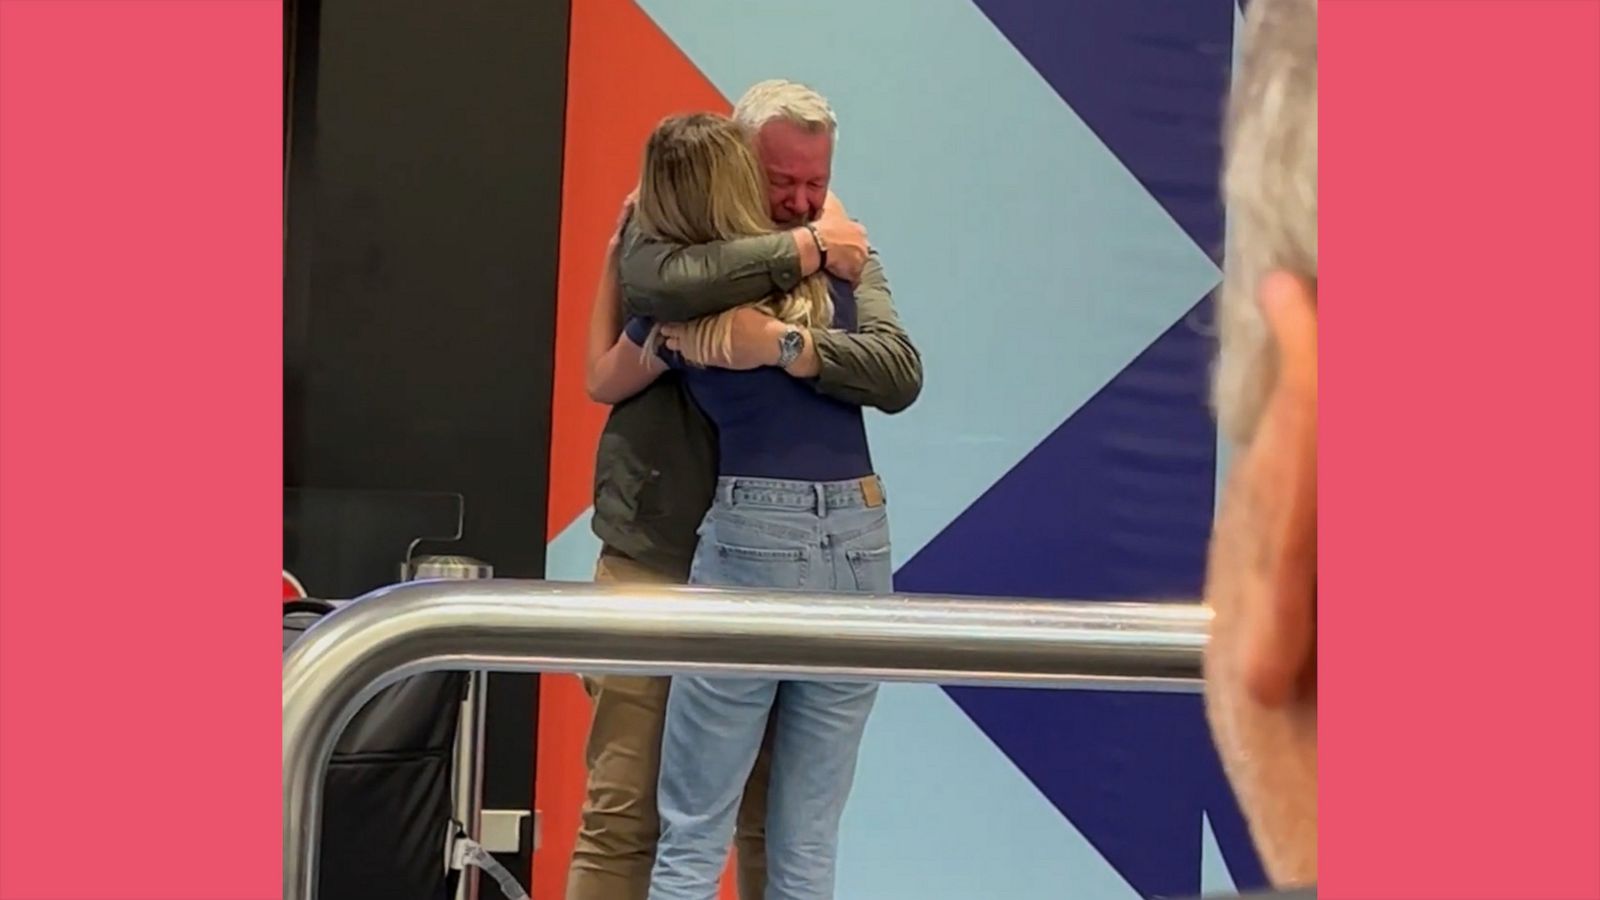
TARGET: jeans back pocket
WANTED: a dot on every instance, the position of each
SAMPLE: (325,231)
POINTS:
(732,565)
(872,568)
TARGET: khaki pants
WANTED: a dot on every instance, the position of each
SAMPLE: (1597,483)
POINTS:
(616,845)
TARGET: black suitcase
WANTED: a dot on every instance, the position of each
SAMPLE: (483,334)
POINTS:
(386,808)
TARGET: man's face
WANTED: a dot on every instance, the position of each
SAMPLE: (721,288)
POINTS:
(798,164)
(1261,586)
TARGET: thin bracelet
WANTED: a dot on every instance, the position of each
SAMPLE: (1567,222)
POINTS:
(822,251)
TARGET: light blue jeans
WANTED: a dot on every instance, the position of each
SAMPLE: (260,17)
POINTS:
(770,534)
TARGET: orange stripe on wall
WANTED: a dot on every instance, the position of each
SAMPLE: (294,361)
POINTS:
(623,76)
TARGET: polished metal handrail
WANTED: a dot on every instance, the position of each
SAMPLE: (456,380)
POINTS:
(408,629)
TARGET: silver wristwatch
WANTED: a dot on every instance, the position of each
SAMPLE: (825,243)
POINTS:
(790,345)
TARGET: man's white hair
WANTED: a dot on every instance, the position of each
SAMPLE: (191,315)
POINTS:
(786,100)
(1270,188)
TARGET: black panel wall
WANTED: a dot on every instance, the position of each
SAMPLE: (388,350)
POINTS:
(423,160)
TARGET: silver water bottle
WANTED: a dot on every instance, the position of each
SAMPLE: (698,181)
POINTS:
(444,568)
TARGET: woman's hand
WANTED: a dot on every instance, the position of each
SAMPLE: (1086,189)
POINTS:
(755,341)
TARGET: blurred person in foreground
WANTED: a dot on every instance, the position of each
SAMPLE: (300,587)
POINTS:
(1261,661)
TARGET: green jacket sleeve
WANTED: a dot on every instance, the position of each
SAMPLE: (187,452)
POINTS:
(876,365)
(675,283)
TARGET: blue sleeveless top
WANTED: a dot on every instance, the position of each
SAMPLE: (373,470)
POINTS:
(771,424)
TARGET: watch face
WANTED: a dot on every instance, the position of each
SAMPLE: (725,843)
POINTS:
(789,347)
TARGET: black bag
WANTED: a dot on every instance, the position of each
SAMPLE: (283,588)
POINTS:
(386,802)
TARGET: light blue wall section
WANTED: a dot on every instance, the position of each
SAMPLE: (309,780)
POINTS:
(1029,265)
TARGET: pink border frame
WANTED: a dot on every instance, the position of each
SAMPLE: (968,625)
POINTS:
(140,358)
(140,490)
(1460,496)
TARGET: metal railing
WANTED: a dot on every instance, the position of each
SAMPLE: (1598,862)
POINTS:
(509,626)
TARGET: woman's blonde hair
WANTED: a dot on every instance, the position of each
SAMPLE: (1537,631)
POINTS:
(701,183)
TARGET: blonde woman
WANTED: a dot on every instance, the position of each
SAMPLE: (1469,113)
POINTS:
(797,506)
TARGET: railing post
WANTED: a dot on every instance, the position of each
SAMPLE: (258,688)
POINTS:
(466,771)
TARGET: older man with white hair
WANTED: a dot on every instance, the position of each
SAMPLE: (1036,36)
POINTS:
(1261,665)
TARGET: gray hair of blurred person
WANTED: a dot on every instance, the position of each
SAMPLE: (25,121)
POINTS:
(1270,190)
(779,99)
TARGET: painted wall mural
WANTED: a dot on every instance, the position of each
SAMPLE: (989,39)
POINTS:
(1040,178)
